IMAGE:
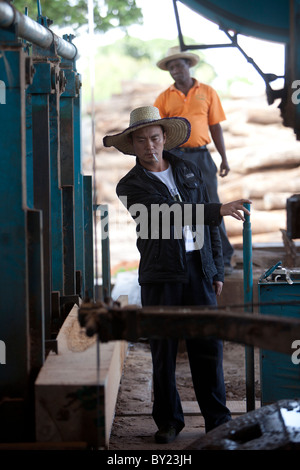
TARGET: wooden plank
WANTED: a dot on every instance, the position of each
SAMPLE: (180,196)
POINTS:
(74,402)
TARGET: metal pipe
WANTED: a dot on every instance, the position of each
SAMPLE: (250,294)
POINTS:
(247,262)
(34,32)
(248,300)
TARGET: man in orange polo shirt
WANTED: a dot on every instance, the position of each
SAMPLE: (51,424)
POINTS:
(201,105)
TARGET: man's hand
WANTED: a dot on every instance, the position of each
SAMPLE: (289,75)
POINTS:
(224,168)
(218,287)
(234,209)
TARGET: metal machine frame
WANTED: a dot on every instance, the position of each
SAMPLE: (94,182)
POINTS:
(46,237)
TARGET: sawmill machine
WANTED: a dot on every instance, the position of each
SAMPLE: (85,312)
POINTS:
(46,203)
(46,230)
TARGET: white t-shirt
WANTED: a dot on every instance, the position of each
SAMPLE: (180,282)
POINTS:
(167,178)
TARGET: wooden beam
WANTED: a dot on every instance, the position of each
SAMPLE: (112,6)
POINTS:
(74,398)
(131,323)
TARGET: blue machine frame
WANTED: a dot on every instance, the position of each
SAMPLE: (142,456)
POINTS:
(46,230)
(280,377)
(272,20)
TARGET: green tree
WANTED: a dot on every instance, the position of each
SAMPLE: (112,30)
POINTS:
(108,14)
(131,59)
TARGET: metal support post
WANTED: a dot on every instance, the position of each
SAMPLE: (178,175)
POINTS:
(78,193)
(67,168)
(29,157)
(36,291)
(67,183)
(106,280)
(40,90)
(44,97)
(88,239)
(42,188)
(14,296)
(68,239)
(56,196)
(248,300)
(71,172)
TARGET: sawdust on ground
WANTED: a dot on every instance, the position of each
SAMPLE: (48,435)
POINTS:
(134,428)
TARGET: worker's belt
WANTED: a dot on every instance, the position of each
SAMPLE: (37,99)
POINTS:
(193,149)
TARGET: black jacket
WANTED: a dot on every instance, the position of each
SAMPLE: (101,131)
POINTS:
(164,259)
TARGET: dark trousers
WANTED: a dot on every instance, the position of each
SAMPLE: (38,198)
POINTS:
(209,170)
(205,355)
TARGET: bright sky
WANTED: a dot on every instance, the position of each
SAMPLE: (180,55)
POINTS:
(160,22)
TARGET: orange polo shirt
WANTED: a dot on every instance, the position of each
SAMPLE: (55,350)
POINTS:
(202,107)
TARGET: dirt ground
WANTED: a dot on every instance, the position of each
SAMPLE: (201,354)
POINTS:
(234,373)
(133,427)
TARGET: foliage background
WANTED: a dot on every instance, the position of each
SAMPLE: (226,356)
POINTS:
(135,60)
(126,59)
(107,13)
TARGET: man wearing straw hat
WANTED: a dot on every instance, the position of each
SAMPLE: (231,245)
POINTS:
(177,265)
(200,104)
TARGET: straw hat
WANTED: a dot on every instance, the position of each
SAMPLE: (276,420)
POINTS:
(175,53)
(177,130)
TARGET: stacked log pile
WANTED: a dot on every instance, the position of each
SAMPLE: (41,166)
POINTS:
(265,166)
(264,158)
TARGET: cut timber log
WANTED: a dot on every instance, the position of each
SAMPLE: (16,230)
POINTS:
(74,402)
(260,223)
(277,155)
(275,200)
(264,116)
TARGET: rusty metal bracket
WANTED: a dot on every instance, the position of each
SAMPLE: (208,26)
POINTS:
(111,322)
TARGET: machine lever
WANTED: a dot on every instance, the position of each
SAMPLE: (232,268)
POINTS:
(269,271)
